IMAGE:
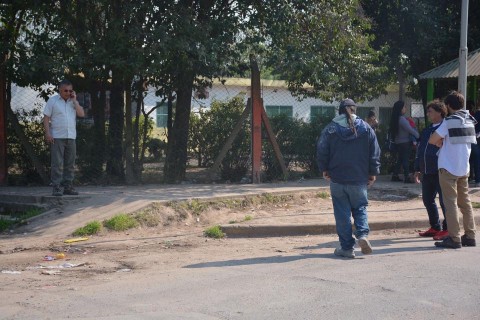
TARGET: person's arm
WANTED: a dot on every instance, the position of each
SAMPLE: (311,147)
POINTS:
(436,139)
(405,125)
(46,127)
(374,163)
(78,108)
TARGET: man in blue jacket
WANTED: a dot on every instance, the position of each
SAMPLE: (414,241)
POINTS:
(349,157)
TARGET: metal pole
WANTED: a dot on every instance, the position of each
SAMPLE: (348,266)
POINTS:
(462,71)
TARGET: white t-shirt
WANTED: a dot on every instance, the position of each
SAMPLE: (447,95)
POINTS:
(453,157)
(62,117)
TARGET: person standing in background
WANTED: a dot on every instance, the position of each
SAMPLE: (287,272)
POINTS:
(60,114)
(426,171)
(454,138)
(400,131)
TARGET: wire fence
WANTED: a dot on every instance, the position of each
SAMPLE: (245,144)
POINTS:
(277,101)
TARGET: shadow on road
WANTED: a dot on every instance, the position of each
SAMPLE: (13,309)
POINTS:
(380,247)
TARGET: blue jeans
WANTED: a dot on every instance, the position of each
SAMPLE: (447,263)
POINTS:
(430,188)
(348,201)
(403,153)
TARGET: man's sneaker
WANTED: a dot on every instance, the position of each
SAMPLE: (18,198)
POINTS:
(441,235)
(57,192)
(365,245)
(70,191)
(467,242)
(448,243)
(344,253)
(429,233)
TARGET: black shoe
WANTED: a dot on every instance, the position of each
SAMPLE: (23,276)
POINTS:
(70,191)
(448,243)
(396,178)
(57,192)
(467,242)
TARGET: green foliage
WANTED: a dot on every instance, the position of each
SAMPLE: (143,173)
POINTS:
(156,148)
(5,224)
(21,168)
(93,227)
(214,232)
(323,195)
(120,222)
(248,218)
(297,140)
(210,131)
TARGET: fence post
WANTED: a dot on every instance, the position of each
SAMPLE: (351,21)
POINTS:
(3,129)
(256,121)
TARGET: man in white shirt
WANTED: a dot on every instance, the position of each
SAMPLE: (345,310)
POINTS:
(454,137)
(59,122)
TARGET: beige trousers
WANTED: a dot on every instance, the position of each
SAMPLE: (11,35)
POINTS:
(455,196)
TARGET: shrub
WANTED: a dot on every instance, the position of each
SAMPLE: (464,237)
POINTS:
(120,222)
(90,228)
(214,232)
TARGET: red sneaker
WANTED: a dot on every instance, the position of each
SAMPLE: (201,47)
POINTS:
(429,233)
(440,235)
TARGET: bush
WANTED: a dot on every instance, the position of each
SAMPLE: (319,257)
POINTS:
(210,130)
(90,228)
(19,162)
(120,222)
(214,232)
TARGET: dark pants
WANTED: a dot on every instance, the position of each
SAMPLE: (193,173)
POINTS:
(430,188)
(475,162)
(63,153)
(403,158)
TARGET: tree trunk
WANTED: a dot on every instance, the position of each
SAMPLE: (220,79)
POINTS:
(97,93)
(176,161)
(115,131)
(137,158)
(129,161)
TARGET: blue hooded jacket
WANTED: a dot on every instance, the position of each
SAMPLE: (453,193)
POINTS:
(348,158)
(426,159)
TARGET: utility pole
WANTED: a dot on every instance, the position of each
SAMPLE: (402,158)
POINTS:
(462,70)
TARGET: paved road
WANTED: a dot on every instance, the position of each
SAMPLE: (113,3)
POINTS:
(281,278)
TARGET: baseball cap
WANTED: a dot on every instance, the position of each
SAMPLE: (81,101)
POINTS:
(347,102)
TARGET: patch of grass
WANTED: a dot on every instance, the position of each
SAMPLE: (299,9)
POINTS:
(323,195)
(147,218)
(475,204)
(196,206)
(120,222)
(232,221)
(93,227)
(5,224)
(248,218)
(214,232)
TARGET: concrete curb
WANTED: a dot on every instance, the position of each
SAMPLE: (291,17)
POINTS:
(263,231)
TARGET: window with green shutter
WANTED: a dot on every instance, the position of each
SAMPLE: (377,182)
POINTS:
(162,115)
(321,111)
(277,110)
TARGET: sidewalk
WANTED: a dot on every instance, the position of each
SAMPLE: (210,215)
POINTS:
(99,203)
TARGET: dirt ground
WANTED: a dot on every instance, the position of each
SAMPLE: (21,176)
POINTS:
(177,240)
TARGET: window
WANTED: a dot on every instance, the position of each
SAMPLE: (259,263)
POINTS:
(162,115)
(321,111)
(273,111)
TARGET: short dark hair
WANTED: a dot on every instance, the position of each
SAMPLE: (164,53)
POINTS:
(455,100)
(438,106)
(64,82)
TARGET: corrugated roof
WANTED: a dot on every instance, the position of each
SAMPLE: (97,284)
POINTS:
(450,69)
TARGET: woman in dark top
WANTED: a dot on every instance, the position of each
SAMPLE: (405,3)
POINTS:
(400,131)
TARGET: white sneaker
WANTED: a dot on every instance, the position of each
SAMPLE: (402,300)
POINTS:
(365,245)
(344,253)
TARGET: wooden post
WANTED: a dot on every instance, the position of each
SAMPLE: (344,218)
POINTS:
(257,106)
(3,128)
